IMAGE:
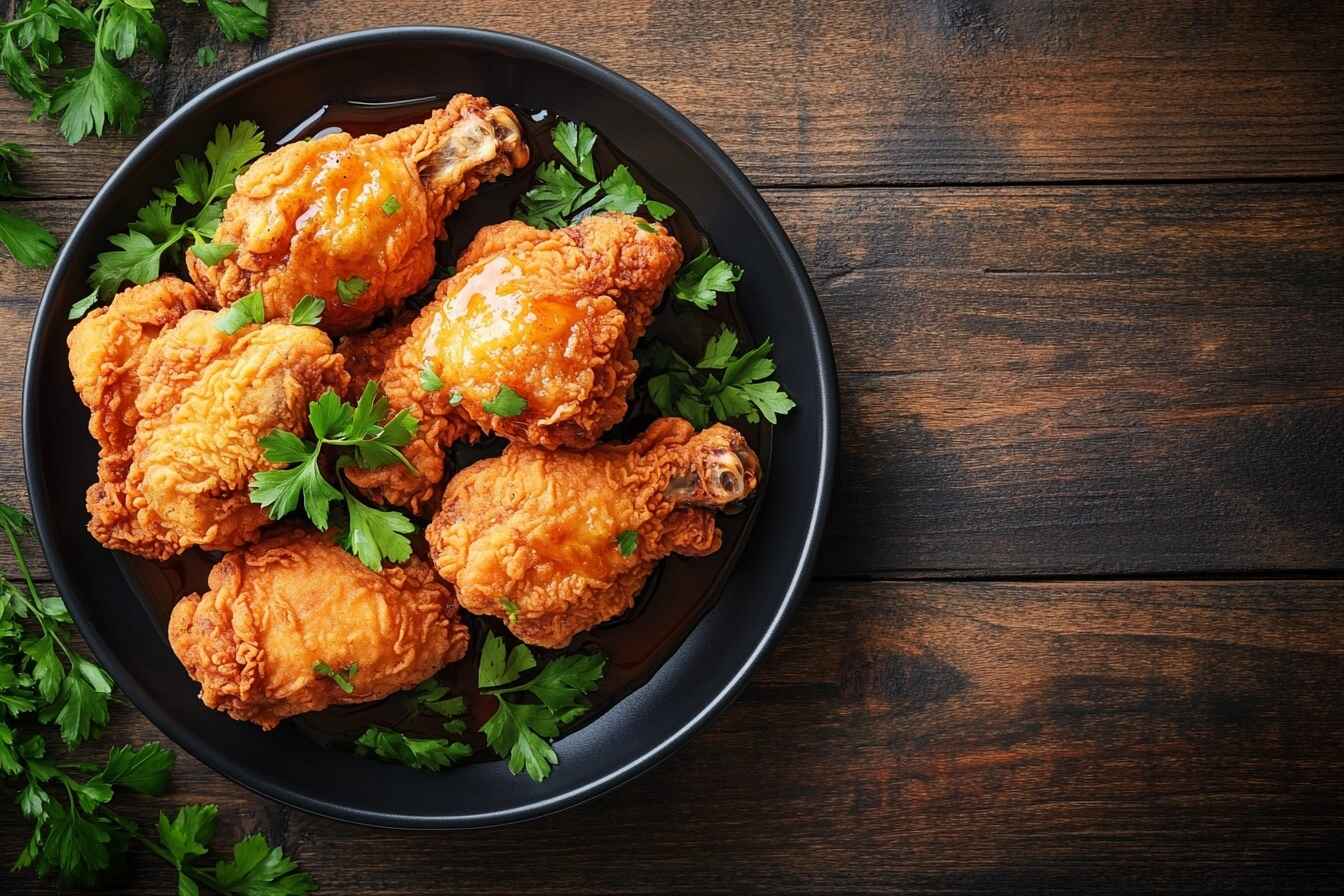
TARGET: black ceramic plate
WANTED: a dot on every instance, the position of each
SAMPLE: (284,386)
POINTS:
(106,594)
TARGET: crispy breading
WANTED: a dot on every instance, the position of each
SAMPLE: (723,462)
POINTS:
(278,607)
(541,529)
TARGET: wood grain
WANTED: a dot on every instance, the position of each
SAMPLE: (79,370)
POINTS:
(1053,380)
(876,92)
(1113,737)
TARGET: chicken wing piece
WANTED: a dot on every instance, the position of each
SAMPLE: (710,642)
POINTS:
(336,207)
(277,608)
(106,348)
(536,537)
(205,399)
(551,315)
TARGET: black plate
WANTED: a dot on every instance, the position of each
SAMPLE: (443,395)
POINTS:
(700,678)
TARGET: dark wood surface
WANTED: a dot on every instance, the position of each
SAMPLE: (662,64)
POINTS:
(1078,621)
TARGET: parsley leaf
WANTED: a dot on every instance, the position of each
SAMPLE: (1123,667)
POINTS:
(372,534)
(390,205)
(455,398)
(423,753)
(239,21)
(627,542)
(703,278)
(206,57)
(519,732)
(558,195)
(351,289)
(510,608)
(144,769)
(212,253)
(31,244)
(343,678)
(429,380)
(622,194)
(575,142)
(308,311)
(258,869)
(432,696)
(139,252)
(250,309)
(506,403)
(742,389)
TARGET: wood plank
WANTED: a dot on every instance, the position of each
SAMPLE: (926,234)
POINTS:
(1052,380)
(1118,737)
(877,92)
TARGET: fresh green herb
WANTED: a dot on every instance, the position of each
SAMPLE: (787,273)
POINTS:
(560,198)
(511,609)
(430,696)
(212,253)
(627,542)
(238,21)
(575,142)
(703,278)
(429,380)
(155,233)
(372,534)
(81,308)
(391,206)
(506,403)
(77,835)
(308,312)
(455,399)
(558,195)
(742,389)
(206,57)
(343,678)
(250,309)
(100,95)
(622,194)
(429,754)
(351,289)
(31,244)
(519,732)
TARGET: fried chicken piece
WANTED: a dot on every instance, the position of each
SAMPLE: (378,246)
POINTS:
(553,315)
(338,207)
(205,399)
(106,348)
(278,607)
(541,529)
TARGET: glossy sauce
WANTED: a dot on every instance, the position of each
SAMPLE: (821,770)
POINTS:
(679,591)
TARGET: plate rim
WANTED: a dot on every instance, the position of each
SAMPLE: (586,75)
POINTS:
(218,760)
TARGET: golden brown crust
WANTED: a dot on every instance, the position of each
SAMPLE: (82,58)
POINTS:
(539,528)
(205,399)
(106,348)
(553,315)
(276,608)
(311,213)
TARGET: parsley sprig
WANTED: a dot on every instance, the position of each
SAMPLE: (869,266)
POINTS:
(101,95)
(31,244)
(77,835)
(701,280)
(372,535)
(155,233)
(567,192)
(740,388)
(520,732)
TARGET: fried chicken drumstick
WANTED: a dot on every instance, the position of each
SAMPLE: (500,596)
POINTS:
(338,207)
(551,315)
(203,400)
(535,537)
(277,608)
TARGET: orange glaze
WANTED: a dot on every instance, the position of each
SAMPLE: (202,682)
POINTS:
(314,216)
(498,329)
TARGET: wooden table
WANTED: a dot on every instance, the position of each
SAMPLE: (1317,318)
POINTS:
(1079,619)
